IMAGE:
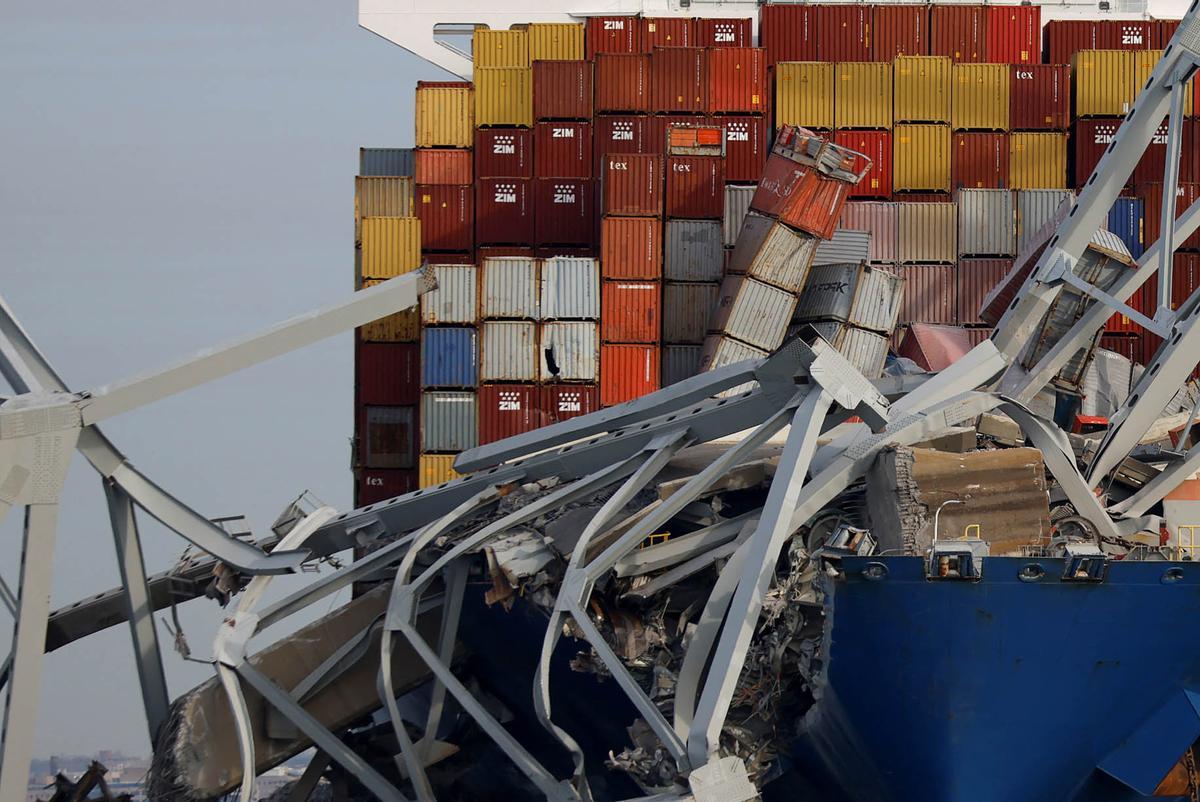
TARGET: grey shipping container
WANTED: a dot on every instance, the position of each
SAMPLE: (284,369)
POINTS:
(455,299)
(692,250)
(720,350)
(773,253)
(680,362)
(863,349)
(569,351)
(1106,383)
(737,204)
(753,312)
(386,161)
(508,288)
(879,218)
(1035,209)
(986,222)
(570,288)
(927,233)
(851,293)
(449,421)
(846,246)
(687,308)
(508,351)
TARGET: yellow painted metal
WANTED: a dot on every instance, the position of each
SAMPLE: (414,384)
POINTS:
(921,158)
(1104,81)
(922,88)
(435,469)
(401,327)
(445,116)
(555,41)
(1144,62)
(981,97)
(504,96)
(381,196)
(500,48)
(1037,160)
(391,246)
(862,95)
(804,94)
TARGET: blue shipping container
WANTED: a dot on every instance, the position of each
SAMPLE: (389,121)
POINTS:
(385,161)
(449,357)
(1127,219)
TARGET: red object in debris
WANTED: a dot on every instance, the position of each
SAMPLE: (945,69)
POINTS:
(695,187)
(563,211)
(1014,34)
(958,32)
(506,410)
(979,161)
(622,82)
(678,80)
(563,150)
(559,402)
(900,30)
(633,185)
(627,372)
(504,152)
(387,374)
(844,32)
(562,90)
(935,347)
(373,485)
(619,134)
(714,32)
(788,32)
(737,80)
(667,32)
(1040,97)
(745,146)
(503,211)
(630,311)
(631,248)
(1085,424)
(447,217)
(877,146)
(443,166)
(612,35)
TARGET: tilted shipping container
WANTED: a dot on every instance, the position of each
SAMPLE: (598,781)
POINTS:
(976,278)
(755,313)
(773,253)
(737,204)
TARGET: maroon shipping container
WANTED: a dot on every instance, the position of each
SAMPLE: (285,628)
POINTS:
(930,294)
(373,485)
(452,258)
(386,436)
(559,402)
(958,32)
(1014,35)
(844,32)
(564,211)
(447,218)
(627,372)
(745,146)
(1065,38)
(695,187)
(780,179)
(1185,278)
(877,146)
(788,32)
(387,373)
(1161,32)
(503,211)
(1091,138)
(631,247)
(711,32)
(1123,34)
(622,82)
(1122,344)
(1153,162)
(503,153)
(630,311)
(737,80)
(562,90)
(656,132)
(900,30)
(449,166)
(937,347)
(976,277)
(633,185)
(506,410)
(1040,97)
(612,35)
(979,161)
(563,150)
(678,79)
(579,252)
(1187,194)
(619,134)
(497,251)
(667,32)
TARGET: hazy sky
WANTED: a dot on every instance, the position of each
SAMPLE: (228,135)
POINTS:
(175,174)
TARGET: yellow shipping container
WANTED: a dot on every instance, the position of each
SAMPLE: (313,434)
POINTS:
(863,95)
(381,196)
(922,88)
(445,115)
(1103,82)
(921,158)
(435,469)
(402,327)
(804,94)
(500,48)
(504,96)
(1037,160)
(981,97)
(555,41)
(391,246)
(1144,62)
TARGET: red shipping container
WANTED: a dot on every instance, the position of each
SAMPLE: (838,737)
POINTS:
(1040,97)
(678,79)
(447,218)
(562,90)
(627,372)
(497,251)
(373,485)
(976,277)
(1123,35)
(816,206)
(667,32)
(1014,34)
(958,32)
(1185,279)
(979,161)
(506,410)
(930,294)
(844,32)
(1161,32)
(622,82)
(712,32)
(660,124)
(1065,38)
(631,247)
(386,436)
(449,166)
(564,211)
(559,402)
(452,259)
(1122,344)
(1186,195)
(737,80)
(745,146)
(387,374)
(900,30)
(1091,138)
(629,311)
(633,185)
(619,134)
(612,35)
(780,179)
(503,153)
(1151,166)
(877,146)
(695,187)
(503,211)
(788,32)
(563,150)
(577,252)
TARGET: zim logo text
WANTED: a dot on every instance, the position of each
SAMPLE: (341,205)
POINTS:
(505,193)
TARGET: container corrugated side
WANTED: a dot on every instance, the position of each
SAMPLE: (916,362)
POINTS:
(804,94)
(958,31)
(862,95)
(851,293)
(559,402)
(449,421)
(1036,208)
(387,373)
(692,250)
(921,158)
(570,288)
(445,115)
(449,357)
(1014,34)
(876,146)
(865,350)
(385,162)
(437,166)
(455,299)
(399,327)
(880,220)
(1040,97)
(630,311)
(930,294)
(679,362)
(628,372)
(737,204)
(500,48)
(976,278)
(506,410)
(922,89)
(737,80)
(687,308)
(1144,62)
(381,197)
(562,90)
(1037,160)
(981,97)
(387,436)
(771,252)
(569,352)
(1127,219)
(504,96)
(900,30)
(719,351)
(1103,81)
(436,469)
(631,247)
(755,313)
(788,32)
(508,351)
(391,246)
(927,232)
(555,41)
(986,222)
(508,288)
(847,245)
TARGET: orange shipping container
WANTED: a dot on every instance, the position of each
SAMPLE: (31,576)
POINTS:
(678,79)
(629,311)
(437,166)
(627,372)
(631,247)
(737,80)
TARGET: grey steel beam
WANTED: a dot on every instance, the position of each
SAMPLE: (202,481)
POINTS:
(682,548)
(1170,185)
(302,790)
(6,595)
(1157,488)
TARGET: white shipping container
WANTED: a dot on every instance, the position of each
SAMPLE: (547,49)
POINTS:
(847,245)
(986,222)
(773,253)
(719,351)
(1037,208)
(753,312)
(509,288)
(862,296)
(569,351)
(865,350)
(508,351)
(449,421)
(456,296)
(927,233)
(737,204)
(570,288)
